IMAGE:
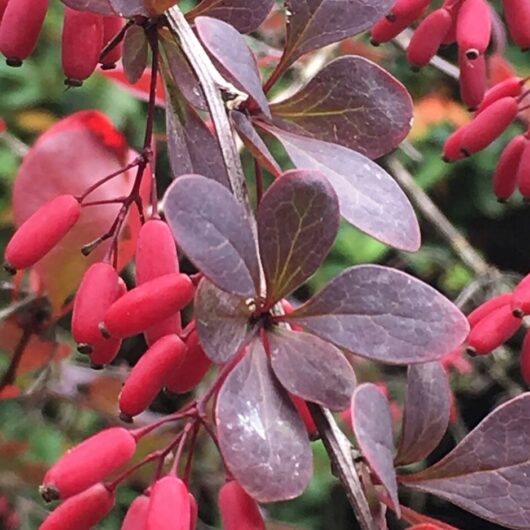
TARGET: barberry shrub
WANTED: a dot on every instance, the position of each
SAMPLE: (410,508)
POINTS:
(264,374)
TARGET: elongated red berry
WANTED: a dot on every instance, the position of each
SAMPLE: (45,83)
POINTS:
(149,375)
(111,27)
(452,149)
(493,331)
(473,27)
(523,172)
(505,176)
(520,301)
(41,232)
(136,517)
(156,255)
(488,307)
(82,512)
(428,37)
(169,508)
(81,45)
(98,290)
(104,352)
(525,358)
(472,80)
(3,6)
(511,87)
(238,509)
(517,15)
(489,125)
(88,463)
(148,304)
(404,8)
(191,371)
(450,37)
(20,29)
(385,30)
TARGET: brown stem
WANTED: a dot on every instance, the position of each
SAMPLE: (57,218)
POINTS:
(9,377)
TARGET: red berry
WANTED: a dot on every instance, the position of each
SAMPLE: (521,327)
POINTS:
(147,305)
(111,27)
(384,30)
(505,176)
(149,375)
(98,290)
(3,6)
(42,231)
(404,8)
(452,149)
(191,371)
(136,517)
(104,352)
(472,79)
(523,172)
(169,508)
(493,330)
(511,87)
(517,15)
(156,255)
(88,463)
(81,45)
(473,28)
(521,297)
(489,125)
(20,28)
(525,358)
(488,307)
(238,510)
(428,37)
(82,512)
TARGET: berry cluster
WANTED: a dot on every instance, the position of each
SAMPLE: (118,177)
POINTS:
(85,37)
(468,23)
(497,320)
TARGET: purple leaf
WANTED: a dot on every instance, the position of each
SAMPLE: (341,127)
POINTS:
(263,440)
(372,426)
(222,322)
(245,15)
(351,102)
(135,48)
(488,472)
(233,57)
(385,315)
(313,24)
(369,198)
(426,415)
(254,143)
(311,368)
(298,219)
(214,232)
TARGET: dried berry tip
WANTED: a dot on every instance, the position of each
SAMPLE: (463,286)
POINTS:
(125,418)
(14,62)
(9,268)
(85,349)
(49,493)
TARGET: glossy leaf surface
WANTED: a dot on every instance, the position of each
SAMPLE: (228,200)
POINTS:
(213,230)
(244,15)
(385,315)
(230,51)
(488,472)
(311,368)
(372,425)
(426,414)
(135,49)
(351,102)
(222,321)
(313,24)
(298,219)
(369,197)
(262,438)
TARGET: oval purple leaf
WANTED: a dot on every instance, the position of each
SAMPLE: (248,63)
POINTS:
(385,315)
(262,438)
(351,102)
(135,48)
(488,472)
(372,426)
(311,368)
(298,219)
(426,415)
(313,24)
(233,56)
(214,232)
(222,322)
(244,15)
(369,198)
